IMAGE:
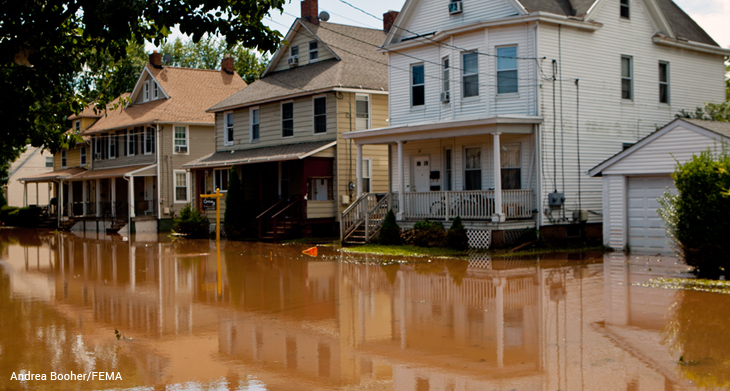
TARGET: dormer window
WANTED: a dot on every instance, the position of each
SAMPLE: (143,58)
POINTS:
(313,51)
(77,125)
(63,158)
(155,90)
(294,51)
(146,92)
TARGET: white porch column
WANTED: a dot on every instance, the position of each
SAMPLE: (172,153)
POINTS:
(401,182)
(498,211)
(37,201)
(60,200)
(131,197)
(85,196)
(70,199)
(25,194)
(98,197)
(358,172)
(113,187)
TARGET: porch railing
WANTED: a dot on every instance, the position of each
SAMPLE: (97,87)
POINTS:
(355,214)
(468,204)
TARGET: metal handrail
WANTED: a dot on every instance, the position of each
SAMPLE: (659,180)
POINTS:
(286,207)
(267,210)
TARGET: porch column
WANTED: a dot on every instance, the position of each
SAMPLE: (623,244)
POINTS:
(358,172)
(131,197)
(98,197)
(37,202)
(113,187)
(401,182)
(60,200)
(70,199)
(25,194)
(84,196)
(498,211)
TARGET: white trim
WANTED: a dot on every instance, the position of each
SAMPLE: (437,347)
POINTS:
(187,140)
(133,173)
(370,110)
(64,159)
(175,186)
(369,162)
(690,45)
(144,140)
(361,91)
(314,119)
(227,169)
(281,118)
(251,124)
(128,138)
(630,78)
(77,125)
(141,80)
(227,142)
(85,155)
(310,51)
(146,93)
(112,136)
(516,68)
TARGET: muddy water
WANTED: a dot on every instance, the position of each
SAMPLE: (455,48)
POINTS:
(269,317)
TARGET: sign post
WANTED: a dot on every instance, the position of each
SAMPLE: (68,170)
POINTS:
(217,196)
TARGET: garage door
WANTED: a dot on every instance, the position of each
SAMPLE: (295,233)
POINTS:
(646,231)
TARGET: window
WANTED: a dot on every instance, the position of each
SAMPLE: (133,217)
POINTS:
(294,51)
(96,142)
(49,161)
(470,74)
(507,70)
(320,115)
(155,90)
(626,78)
(181,186)
(254,124)
(149,141)
(220,179)
(510,159)
(112,146)
(663,82)
(82,154)
(320,189)
(313,51)
(473,169)
(77,125)
(287,119)
(448,174)
(228,128)
(362,112)
(63,158)
(181,139)
(132,142)
(367,169)
(445,87)
(625,9)
(418,92)
(146,92)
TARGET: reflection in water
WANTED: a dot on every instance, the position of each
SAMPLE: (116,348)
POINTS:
(281,320)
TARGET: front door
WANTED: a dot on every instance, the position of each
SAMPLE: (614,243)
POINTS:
(149,192)
(421,172)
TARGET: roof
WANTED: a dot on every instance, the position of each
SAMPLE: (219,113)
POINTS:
(190,91)
(258,155)
(721,128)
(88,112)
(54,175)
(108,172)
(360,66)
(683,25)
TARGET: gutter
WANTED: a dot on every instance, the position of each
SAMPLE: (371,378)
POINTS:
(661,39)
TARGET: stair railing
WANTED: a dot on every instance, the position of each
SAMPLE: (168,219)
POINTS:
(288,208)
(360,212)
(375,217)
(260,218)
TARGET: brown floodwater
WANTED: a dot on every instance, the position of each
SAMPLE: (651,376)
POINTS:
(268,317)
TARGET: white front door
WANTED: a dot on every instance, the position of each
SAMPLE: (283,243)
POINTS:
(149,192)
(421,173)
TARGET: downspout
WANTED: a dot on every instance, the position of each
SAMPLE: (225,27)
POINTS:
(538,133)
(158,141)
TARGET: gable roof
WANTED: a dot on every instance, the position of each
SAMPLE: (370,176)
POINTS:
(88,112)
(191,92)
(359,66)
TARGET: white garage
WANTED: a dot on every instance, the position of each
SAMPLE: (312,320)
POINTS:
(635,178)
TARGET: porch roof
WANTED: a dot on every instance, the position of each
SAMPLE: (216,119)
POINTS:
(442,129)
(54,175)
(107,172)
(260,155)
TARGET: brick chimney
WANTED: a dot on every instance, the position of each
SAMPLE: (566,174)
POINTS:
(389,19)
(156,59)
(310,11)
(227,64)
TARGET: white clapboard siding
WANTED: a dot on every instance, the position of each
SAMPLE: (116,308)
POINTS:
(430,16)
(614,224)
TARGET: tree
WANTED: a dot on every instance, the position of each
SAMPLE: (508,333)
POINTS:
(710,112)
(456,237)
(390,231)
(44,47)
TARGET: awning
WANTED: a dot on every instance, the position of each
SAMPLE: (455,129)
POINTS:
(107,172)
(260,155)
(54,176)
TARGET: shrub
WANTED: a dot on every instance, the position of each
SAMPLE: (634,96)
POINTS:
(390,231)
(20,217)
(429,234)
(696,219)
(456,236)
(191,223)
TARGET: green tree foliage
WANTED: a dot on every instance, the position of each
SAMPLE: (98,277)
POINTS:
(697,219)
(456,236)
(102,74)
(45,46)
(710,112)
(234,220)
(191,223)
(429,234)
(390,231)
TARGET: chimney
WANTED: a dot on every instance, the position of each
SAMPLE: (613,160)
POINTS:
(156,59)
(310,9)
(227,64)
(388,20)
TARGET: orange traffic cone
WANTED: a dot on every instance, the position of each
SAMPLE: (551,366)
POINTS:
(312,251)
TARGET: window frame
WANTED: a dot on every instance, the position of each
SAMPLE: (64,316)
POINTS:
(77,125)
(97,147)
(464,75)
(665,83)
(147,137)
(146,91)
(465,157)
(83,160)
(446,78)
(216,180)
(624,5)
(112,143)
(368,162)
(314,51)
(281,108)
(414,85)
(49,159)
(515,69)
(64,159)
(369,110)
(519,167)
(251,138)
(315,115)
(630,78)
(228,128)
(175,138)
(176,186)
(291,51)
(155,90)
(131,142)
(448,181)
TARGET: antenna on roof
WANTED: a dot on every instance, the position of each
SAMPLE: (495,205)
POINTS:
(324,16)
(167,58)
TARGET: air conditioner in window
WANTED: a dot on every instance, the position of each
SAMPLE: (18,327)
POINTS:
(293,61)
(181,149)
(445,98)
(455,7)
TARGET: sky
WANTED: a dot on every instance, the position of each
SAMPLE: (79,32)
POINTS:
(712,15)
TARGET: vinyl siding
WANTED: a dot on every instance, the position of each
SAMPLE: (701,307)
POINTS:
(73,158)
(614,218)
(302,39)
(320,209)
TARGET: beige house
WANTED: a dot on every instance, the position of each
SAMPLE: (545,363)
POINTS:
(34,161)
(284,132)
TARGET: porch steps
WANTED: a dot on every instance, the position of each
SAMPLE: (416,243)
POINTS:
(357,236)
(283,230)
(116,226)
(66,225)
(47,223)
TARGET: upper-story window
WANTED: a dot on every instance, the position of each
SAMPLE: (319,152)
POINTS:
(511,166)
(418,88)
(77,125)
(627,75)
(146,92)
(254,124)
(320,115)
(625,9)
(82,156)
(445,83)
(181,139)
(663,82)
(294,51)
(470,77)
(507,70)
(132,142)
(112,146)
(63,158)
(155,90)
(362,112)
(228,128)
(49,162)
(98,146)
(313,51)
(149,141)
(287,119)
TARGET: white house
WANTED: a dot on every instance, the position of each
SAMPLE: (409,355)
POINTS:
(634,178)
(497,106)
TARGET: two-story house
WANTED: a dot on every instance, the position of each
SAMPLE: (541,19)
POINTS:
(131,177)
(284,132)
(497,108)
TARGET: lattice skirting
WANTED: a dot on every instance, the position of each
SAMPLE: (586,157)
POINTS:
(478,238)
(515,237)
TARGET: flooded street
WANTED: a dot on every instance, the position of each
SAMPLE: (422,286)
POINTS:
(271,318)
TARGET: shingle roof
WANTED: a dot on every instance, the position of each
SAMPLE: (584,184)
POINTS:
(722,128)
(190,91)
(54,175)
(360,66)
(88,112)
(107,172)
(258,155)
